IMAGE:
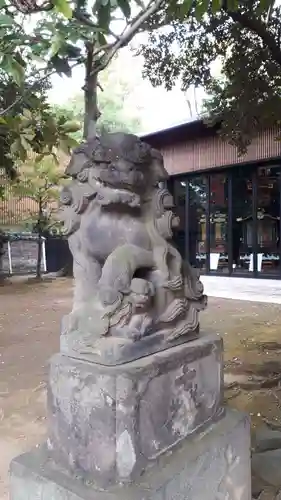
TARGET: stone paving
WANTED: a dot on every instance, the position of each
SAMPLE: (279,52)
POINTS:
(250,289)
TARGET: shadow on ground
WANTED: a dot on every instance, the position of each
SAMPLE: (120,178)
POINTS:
(252,342)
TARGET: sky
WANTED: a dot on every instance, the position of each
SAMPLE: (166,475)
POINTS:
(159,108)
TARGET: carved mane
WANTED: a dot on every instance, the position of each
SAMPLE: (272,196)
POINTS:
(120,224)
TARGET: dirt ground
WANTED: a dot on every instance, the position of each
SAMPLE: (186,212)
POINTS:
(30,316)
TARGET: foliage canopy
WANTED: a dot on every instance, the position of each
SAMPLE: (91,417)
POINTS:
(42,37)
(26,120)
(234,52)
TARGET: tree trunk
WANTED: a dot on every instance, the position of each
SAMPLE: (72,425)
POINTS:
(2,275)
(39,255)
(40,240)
(91,116)
(91,111)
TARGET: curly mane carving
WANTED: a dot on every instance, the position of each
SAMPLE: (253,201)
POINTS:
(130,281)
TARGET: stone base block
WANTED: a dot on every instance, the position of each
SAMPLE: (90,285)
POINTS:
(213,465)
(108,423)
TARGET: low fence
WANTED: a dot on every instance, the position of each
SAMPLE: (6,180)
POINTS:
(21,253)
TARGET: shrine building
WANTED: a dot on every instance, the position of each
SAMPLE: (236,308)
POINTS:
(229,206)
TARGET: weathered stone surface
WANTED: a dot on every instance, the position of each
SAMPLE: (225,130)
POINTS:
(257,485)
(114,351)
(267,466)
(267,439)
(133,295)
(269,493)
(109,423)
(214,465)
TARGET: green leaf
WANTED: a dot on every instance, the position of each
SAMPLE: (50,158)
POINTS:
(264,6)
(63,6)
(103,14)
(37,49)
(216,5)
(24,122)
(124,5)
(66,143)
(39,158)
(98,3)
(56,44)
(201,9)
(72,51)
(71,126)
(27,113)
(61,65)
(18,150)
(25,144)
(15,146)
(38,59)
(71,142)
(185,7)
(14,68)
(6,20)
(56,160)
(232,4)
(101,39)
(63,145)
(17,72)
(29,136)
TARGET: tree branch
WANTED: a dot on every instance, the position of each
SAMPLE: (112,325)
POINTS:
(128,34)
(36,82)
(258,27)
(83,18)
(110,50)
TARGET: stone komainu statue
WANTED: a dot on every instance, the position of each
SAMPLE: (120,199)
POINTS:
(133,293)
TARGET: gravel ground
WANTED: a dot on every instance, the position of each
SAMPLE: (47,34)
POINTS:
(30,316)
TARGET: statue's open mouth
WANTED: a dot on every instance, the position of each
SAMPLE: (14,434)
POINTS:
(122,187)
(113,194)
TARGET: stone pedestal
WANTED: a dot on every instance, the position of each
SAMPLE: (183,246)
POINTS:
(151,428)
(211,465)
(108,423)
